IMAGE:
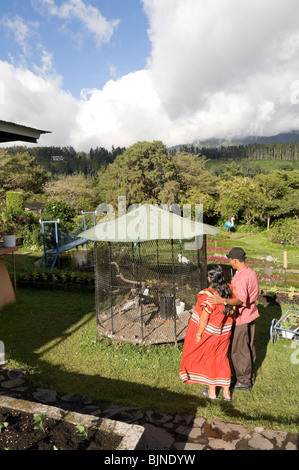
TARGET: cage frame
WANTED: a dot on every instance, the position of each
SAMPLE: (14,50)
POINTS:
(155,225)
(199,269)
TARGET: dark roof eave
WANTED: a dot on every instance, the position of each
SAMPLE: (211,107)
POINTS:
(7,137)
(10,132)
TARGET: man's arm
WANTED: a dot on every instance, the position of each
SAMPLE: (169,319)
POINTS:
(218,300)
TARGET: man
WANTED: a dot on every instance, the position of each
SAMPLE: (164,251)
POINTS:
(246,290)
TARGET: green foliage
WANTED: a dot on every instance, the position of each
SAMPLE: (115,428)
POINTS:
(32,235)
(253,227)
(192,174)
(73,162)
(21,172)
(81,431)
(195,196)
(39,420)
(227,169)
(59,210)
(15,202)
(145,172)
(281,193)
(286,228)
(277,151)
(12,225)
(292,292)
(291,322)
(239,198)
(76,190)
(67,279)
(242,184)
(3,426)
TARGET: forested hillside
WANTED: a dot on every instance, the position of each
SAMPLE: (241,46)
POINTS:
(270,151)
(71,162)
(96,159)
(257,184)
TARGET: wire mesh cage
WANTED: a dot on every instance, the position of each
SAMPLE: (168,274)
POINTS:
(145,292)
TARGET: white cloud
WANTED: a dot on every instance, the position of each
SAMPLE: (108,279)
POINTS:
(218,46)
(21,31)
(2,93)
(90,17)
(26,35)
(47,64)
(123,112)
(112,70)
(32,100)
(217,69)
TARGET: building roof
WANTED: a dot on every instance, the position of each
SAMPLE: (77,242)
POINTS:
(34,206)
(11,132)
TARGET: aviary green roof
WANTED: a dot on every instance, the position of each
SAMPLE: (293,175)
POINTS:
(148,222)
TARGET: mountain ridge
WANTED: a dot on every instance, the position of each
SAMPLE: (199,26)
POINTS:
(283,137)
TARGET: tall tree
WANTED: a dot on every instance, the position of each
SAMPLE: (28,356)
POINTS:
(145,172)
(281,190)
(20,171)
(239,197)
(192,174)
(76,190)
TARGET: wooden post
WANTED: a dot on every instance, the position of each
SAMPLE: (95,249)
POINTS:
(173,286)
(285,261)
(7,290)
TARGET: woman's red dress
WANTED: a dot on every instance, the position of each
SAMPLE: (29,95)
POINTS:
(206,362)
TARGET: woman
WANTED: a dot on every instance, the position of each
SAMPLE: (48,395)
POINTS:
(207,339)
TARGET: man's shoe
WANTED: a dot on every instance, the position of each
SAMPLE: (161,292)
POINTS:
(239,386)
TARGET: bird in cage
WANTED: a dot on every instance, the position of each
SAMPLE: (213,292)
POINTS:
(182,259)
(146,291)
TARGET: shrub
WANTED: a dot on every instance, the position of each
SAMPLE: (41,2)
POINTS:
(15,202)
(32,234)
(12,225)
(285,229)
(59,210)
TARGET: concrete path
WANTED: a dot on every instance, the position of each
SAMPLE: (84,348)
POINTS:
(163,431)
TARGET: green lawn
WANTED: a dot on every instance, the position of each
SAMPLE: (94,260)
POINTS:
(257,245)
(52,334)
(258,249)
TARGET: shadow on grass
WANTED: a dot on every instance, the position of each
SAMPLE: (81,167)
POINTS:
(42,320)
(268,310)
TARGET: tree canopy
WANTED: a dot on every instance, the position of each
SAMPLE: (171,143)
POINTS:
(21,171)
(145,172)
(149,172)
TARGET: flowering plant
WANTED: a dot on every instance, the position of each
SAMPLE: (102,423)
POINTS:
(9,225)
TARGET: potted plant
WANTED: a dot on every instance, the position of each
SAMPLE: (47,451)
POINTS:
(10,227)
(290,323)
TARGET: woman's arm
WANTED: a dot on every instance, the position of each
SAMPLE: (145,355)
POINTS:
(203,321)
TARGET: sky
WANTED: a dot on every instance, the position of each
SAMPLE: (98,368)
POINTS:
(103,73)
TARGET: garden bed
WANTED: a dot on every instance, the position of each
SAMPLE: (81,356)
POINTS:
(279,297)
(26,425)
(23,431)
(57,280)
(46,285)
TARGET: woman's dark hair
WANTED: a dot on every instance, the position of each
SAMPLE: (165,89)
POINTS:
(217,281)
